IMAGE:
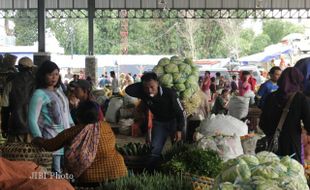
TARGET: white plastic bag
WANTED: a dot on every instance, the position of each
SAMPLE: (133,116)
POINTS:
(250,94)
(113,109)
(249,144)
(228,147)
(222,124)
(125,126)
(238,106)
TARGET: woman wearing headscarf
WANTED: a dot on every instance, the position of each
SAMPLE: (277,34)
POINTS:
(289,83)
(90,153)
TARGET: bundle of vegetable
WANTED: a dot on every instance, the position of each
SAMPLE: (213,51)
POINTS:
(102,92)
(134,149)
(182,75)
(265,171)
(195,161)
(147,181)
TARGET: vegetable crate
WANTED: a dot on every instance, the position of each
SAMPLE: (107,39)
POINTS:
(200,182)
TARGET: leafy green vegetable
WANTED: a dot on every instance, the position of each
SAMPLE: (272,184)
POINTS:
(195,161)
(147,181)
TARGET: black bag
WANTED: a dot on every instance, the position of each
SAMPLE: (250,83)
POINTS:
(271,143)
(263,144)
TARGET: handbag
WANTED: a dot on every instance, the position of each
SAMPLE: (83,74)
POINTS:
(271,143)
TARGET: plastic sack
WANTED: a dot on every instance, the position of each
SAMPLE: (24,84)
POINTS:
(126,113)
(125,126)
(228,147)
(222,124)
(126,122)
(130,101)
(250,94)
(101,99)
(113,109)
(238,106)
(249,144)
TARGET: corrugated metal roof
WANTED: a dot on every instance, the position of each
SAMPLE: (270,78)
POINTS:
(153,4)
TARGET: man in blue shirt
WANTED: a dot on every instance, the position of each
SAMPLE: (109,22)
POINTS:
(269,86)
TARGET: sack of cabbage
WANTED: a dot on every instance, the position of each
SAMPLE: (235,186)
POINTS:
(265,171)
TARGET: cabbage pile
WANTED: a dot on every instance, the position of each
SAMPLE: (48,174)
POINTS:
(265,171)
(182,75)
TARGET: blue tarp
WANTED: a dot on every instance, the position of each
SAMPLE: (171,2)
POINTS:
(273,52)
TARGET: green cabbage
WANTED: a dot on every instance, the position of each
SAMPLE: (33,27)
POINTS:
(266,171)
(178,78)
(159,70)
(192,79)
(293,183)
(268,185)
(195,71)
(171,68)
(230,163)
(251,160)
(292,165)
(241,171)
(265,156)
(166,80)
(186,94)
(176,59)
(164,61)
(186,69)
(279,168)
(180,87)
(225,186)
(188,61)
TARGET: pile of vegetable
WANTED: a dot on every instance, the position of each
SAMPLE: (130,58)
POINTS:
(182,75)
(193,160)
(134,149)
(265,171)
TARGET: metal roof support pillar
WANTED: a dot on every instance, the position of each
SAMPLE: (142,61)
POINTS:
(91,15)
(41,56)
(41,25)
(91,65)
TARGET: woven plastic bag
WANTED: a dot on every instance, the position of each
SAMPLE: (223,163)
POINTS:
(238,106)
